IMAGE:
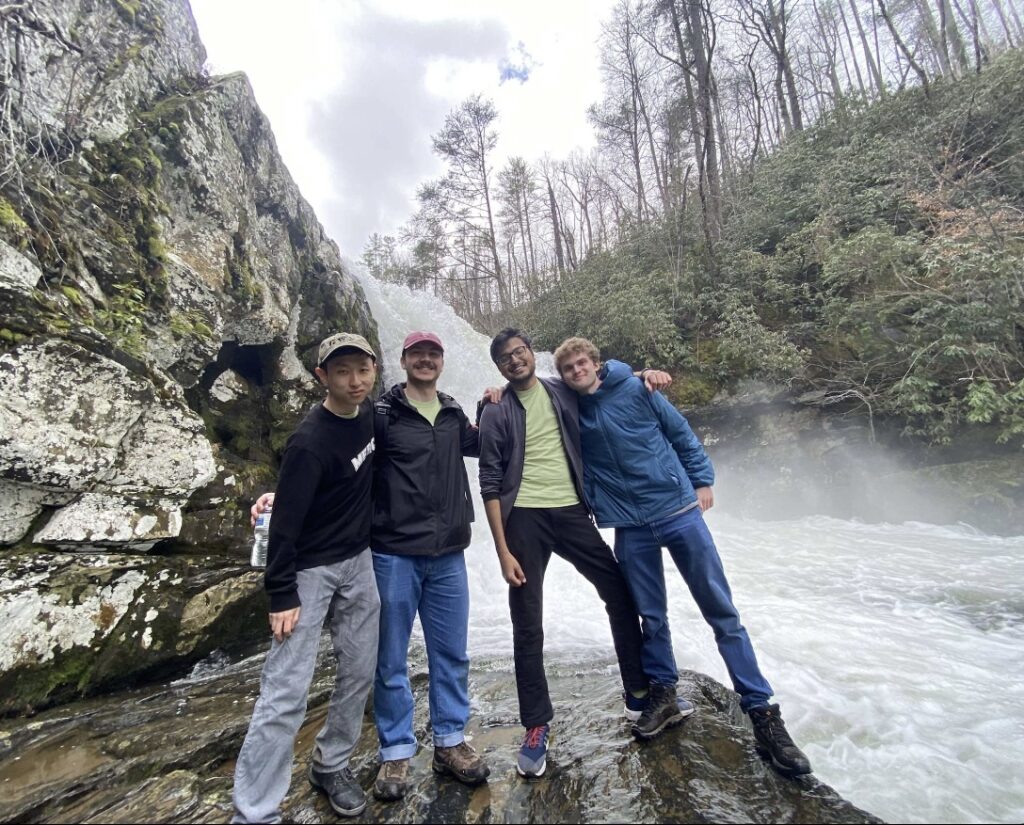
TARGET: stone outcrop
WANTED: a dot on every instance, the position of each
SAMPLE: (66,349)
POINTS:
(780,456)
(166,755)
(163,289)
(73,625)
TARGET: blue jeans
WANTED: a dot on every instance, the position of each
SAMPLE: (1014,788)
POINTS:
(437,588)
(689,542)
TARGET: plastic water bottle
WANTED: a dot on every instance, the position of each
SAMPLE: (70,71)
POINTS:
(262,540)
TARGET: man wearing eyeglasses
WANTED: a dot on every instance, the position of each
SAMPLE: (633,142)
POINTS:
(531,477)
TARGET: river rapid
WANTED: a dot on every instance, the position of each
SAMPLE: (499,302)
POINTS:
(895,650)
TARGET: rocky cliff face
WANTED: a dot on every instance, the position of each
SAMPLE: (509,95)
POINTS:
(163,288)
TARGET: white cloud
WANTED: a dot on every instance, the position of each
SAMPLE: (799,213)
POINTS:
(354,90)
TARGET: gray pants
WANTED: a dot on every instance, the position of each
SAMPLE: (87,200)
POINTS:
(347,592)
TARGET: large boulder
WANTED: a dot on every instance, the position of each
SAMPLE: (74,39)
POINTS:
(72,625)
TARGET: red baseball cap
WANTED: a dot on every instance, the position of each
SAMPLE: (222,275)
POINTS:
(414,338)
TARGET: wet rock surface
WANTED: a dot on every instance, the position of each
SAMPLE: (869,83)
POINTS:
(166,755)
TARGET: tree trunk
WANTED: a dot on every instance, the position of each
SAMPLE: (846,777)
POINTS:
(853,51)
(873,68)
(712,198)
(557,230)
(902,46)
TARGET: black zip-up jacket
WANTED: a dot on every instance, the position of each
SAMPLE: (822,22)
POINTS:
(503,442)
(421,498)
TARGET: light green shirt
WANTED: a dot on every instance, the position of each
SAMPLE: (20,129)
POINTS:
(547,480)
(428,409)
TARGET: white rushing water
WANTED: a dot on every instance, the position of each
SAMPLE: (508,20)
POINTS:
(895,650)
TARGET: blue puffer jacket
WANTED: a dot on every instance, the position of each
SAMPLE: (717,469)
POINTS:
(641,460)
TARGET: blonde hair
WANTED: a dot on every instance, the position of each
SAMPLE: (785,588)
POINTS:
(572,346)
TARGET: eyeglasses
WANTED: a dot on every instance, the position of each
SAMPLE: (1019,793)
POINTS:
(506,359)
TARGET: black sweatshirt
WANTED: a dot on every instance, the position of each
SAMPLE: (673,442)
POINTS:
(322,508)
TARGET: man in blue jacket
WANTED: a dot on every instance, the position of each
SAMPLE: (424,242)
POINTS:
(646,474)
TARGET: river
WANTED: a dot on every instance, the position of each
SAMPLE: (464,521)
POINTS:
(895,650)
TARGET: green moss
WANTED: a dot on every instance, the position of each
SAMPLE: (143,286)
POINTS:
(73,295)
(190,324)
(127,10)
(10,336)
(31,689)
(10,219)
(122,319)
(239,275)
(692,390)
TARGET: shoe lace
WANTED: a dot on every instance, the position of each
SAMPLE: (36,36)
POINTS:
(393,770)
(776,728)
(535,737)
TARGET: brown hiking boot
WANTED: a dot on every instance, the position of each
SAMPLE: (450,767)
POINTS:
(392,780)
(462,762)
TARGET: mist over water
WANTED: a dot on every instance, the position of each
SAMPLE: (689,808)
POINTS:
(895,650)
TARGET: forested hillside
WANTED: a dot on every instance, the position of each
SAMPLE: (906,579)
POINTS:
(826,195)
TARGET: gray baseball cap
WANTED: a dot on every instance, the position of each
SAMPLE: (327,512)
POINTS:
(343,340)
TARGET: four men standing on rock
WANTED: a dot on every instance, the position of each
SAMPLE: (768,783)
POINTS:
(637,454)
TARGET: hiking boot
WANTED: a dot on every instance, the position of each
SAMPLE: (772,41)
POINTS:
(534,751)
(462,762)
(343,792)
(772,739)
(663,711)
(392,780)
(635,705)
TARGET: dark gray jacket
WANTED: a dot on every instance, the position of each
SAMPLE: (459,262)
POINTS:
(503,443)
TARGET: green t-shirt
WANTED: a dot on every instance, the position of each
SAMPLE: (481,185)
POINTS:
(547,480)
(428,409)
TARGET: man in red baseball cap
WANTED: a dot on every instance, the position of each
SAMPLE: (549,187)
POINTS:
(421,337)
(422,524)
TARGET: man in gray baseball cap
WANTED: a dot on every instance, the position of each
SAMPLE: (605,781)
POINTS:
(319,565)
(334,344)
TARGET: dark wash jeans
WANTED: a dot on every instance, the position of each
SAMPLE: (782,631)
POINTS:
(689,542)
(533,534)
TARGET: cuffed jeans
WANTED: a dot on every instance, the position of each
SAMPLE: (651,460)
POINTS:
(689,542)
(437,588)
(346,592)
(533,534)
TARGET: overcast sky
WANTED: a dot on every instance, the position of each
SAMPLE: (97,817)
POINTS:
(355,88)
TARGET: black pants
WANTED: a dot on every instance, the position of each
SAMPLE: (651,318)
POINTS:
(533,534)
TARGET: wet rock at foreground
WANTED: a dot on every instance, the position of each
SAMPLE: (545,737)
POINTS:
(167,755)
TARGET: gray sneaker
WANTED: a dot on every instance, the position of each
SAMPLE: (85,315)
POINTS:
(392,780)
(343,792)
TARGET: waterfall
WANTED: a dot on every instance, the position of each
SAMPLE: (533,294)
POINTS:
(896,650)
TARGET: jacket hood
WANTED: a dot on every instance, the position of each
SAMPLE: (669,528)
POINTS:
(613,373)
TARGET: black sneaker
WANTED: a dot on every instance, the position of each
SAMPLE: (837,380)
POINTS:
(772,739)
(343,792)
(662,711)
